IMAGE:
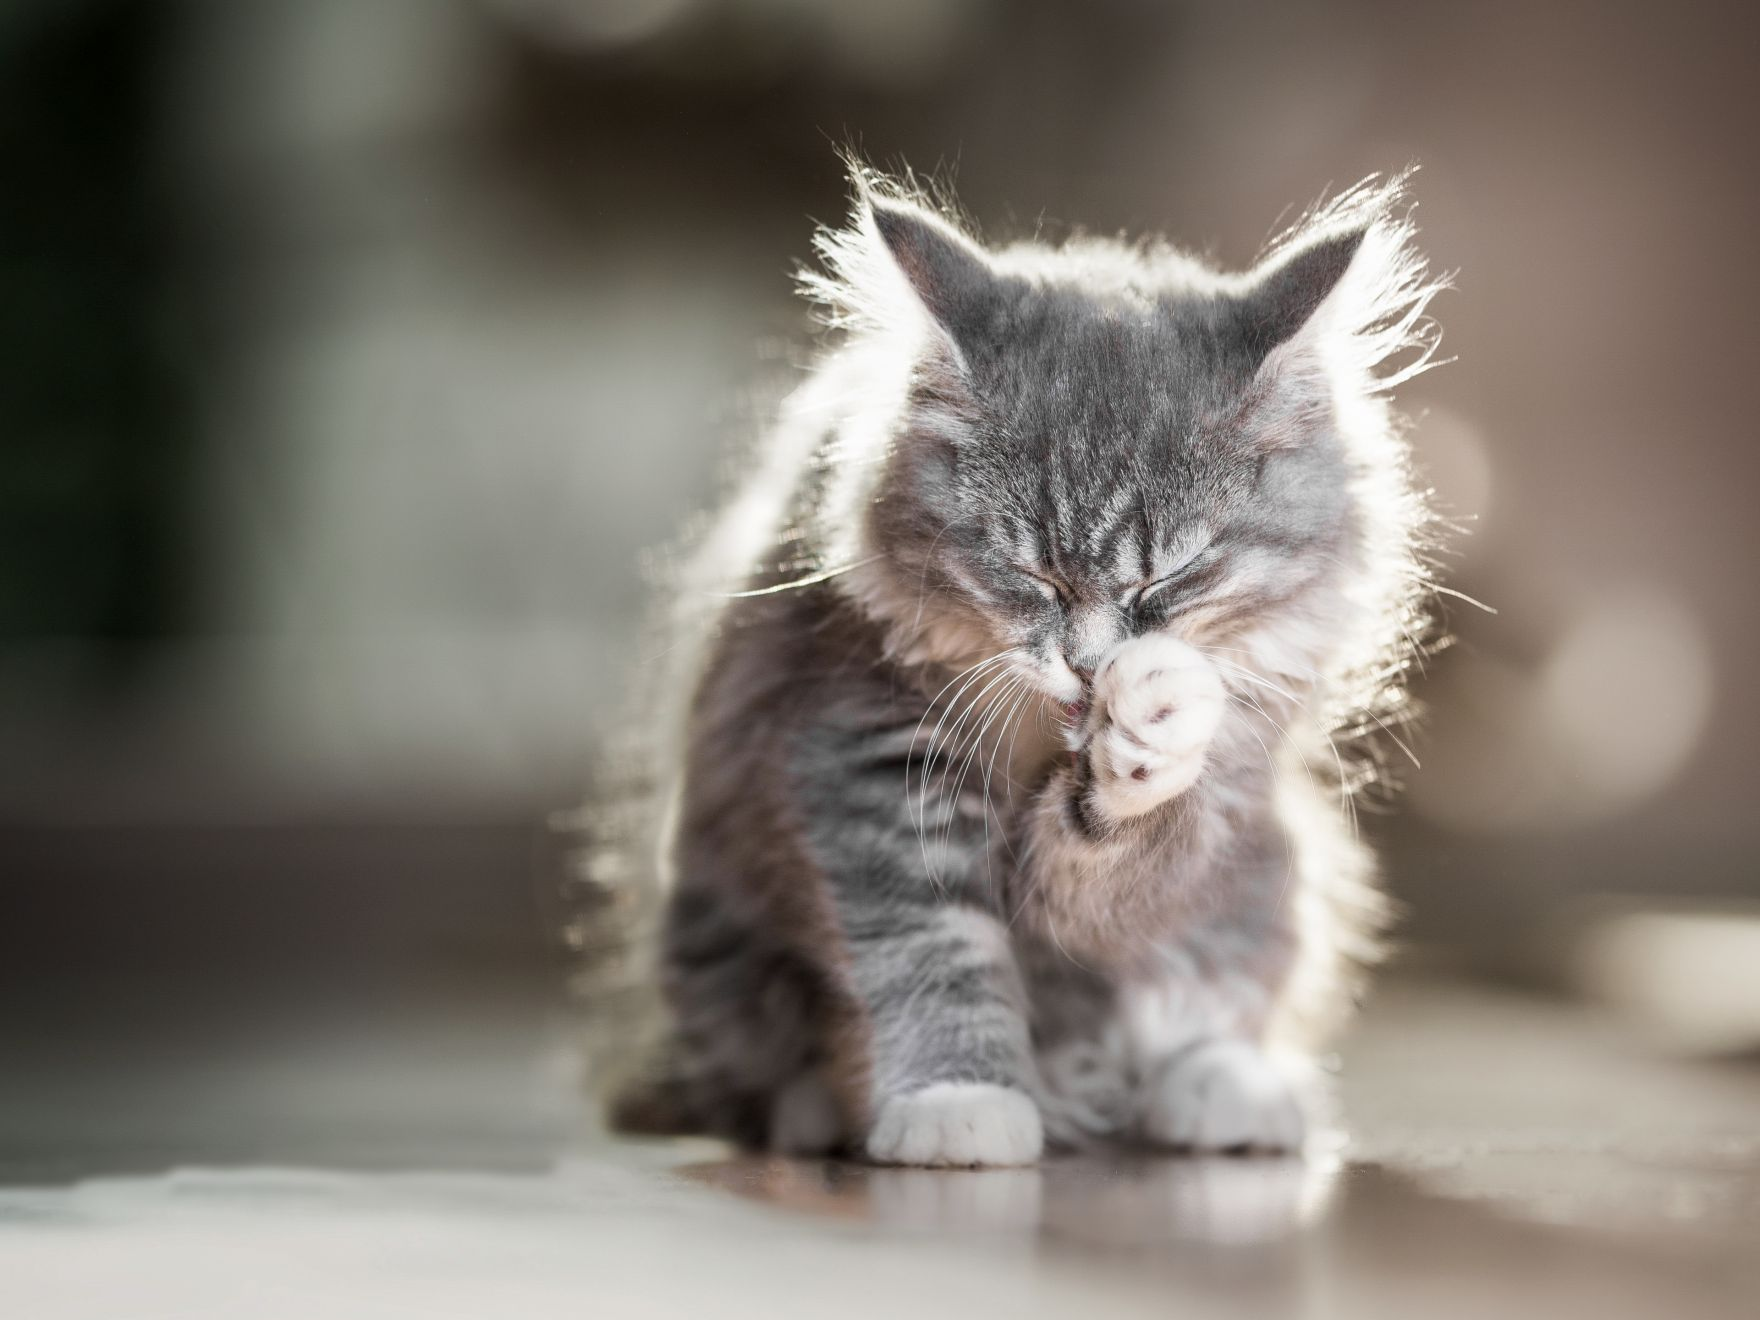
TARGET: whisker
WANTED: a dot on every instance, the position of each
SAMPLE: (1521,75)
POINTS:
(964,679)
(923,577)
(811,580)
(974,740)
(1347,801)
(1018,698)
(948,751)
(1441,590)
(937,745)
(1322,724)
(1013,695)
(1026,697)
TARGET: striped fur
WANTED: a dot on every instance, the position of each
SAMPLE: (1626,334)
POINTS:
(1011,791)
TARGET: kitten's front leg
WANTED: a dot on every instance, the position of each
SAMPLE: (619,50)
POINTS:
(1111,838)
(949,1053)
(1196,1019)
(1207,1080)
(1223,1093)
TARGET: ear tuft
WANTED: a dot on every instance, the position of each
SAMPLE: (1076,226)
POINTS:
(1346,287)
(898,268)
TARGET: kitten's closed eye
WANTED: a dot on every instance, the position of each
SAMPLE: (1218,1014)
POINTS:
(1131,597)
(1048,587)
(1144,591)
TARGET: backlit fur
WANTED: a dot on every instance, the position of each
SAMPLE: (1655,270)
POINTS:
(1017,700)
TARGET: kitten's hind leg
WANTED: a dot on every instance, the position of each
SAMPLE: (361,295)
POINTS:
(949,1057)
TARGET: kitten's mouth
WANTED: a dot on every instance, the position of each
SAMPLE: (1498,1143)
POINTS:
(1072,713)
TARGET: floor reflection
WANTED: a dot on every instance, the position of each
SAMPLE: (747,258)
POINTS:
(1111,1204)
(1274,1235)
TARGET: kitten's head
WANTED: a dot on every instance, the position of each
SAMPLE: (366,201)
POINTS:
(1095,441)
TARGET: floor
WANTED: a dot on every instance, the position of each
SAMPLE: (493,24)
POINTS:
(1506,1156)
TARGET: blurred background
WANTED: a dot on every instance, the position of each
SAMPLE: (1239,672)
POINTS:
(352,356)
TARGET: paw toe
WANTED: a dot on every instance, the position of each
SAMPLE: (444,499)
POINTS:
(957,1124)
(1224,1096)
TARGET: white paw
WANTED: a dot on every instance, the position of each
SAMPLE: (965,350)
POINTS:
(1157,702)
(957,1123)
(1224,1095)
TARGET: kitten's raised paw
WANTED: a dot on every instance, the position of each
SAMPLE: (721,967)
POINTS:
(957,1124)
(1157,702)
(1224,1095)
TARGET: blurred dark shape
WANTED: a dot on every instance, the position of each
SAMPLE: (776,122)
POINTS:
(97,486)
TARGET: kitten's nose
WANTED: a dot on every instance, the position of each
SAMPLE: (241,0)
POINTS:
(1092,630)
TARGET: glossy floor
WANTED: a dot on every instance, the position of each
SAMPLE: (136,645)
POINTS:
(1507,1157)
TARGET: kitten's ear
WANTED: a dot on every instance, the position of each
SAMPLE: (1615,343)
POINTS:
(949,274)
(1286,295)
(1339,308)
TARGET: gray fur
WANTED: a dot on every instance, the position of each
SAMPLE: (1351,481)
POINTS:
(897,862)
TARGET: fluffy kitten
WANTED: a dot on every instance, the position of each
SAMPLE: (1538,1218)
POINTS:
(1008,806)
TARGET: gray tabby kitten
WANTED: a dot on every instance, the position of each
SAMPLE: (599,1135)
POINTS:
(1009,808)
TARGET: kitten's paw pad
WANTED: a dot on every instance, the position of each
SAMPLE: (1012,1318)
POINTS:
(957,1124)
(1157,703)
(1224,1095)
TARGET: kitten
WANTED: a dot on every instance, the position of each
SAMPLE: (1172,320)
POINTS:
(1009,807)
